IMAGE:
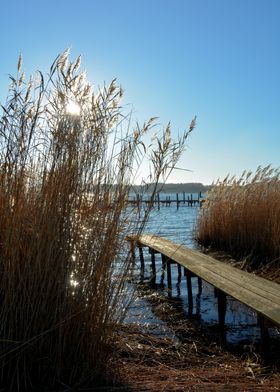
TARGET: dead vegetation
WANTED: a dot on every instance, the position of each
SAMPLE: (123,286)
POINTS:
(242,217)
(148,363)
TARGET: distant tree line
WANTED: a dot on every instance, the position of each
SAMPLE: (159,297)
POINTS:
(190,187)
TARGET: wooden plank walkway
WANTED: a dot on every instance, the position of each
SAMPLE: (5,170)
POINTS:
(259,294)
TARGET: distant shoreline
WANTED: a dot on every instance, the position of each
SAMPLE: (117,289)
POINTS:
(188,187)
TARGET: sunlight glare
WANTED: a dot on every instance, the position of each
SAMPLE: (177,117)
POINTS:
(73,108)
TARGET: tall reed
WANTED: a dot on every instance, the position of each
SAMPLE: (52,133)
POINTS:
(242,216)
(66,166)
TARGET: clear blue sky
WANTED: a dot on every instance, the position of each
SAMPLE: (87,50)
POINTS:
(217,59)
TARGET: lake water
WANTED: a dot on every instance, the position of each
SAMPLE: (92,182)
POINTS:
(178,225)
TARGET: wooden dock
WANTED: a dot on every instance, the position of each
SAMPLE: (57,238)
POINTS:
(161,200)
(261,295)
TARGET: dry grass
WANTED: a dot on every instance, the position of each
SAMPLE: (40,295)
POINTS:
(242,217)
(148,363)
(64,180)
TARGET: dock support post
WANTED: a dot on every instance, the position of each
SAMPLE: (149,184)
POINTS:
(179,272)
(163,258)
(142,262)
(169,280)
(177,200)
(189,287)
(264,348)
(222,307)
(158,201)
(199,285)
(132,252)
(153,278)
(184,197)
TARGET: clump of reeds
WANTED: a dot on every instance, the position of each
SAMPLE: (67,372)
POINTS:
(242,216)
(66,166)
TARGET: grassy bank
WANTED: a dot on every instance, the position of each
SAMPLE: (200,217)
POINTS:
(65,168)
(242,217)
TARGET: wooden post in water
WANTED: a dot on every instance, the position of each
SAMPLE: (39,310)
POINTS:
(264,347)
(142,262)
(199,284)
(222,306)
(189,287)
(132,252)
(184,197)
(177,200)
(153,264)
(163,260)
(179,272)
(169,278)
(158,201)
(191,200)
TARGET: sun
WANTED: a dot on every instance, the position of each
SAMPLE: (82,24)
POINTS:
(73,108)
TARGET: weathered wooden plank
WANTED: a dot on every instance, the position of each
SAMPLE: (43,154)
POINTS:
(260,285)
(258,293)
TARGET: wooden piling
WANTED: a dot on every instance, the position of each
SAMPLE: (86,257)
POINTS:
(163,260)
(169,278)
(222,306)
(190,296)
(153,265)
(264,346)
(179,272)
(199,285)
(142,262)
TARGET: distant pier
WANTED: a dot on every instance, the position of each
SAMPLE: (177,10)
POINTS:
(166,200)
